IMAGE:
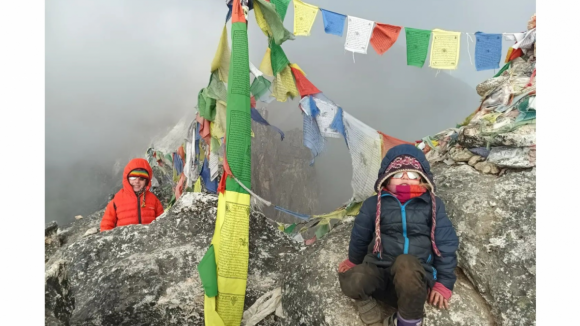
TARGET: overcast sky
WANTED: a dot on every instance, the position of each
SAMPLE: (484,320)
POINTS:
(118,73)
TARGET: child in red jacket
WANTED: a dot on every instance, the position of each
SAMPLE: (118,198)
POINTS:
(134,203)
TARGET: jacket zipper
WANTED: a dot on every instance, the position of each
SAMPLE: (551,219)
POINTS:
(139,209)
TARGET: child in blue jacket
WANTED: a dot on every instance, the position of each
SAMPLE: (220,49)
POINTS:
(402,247)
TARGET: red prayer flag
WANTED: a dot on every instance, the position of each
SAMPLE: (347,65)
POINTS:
(384,36)
(238,12)
(390,142)
(305,87)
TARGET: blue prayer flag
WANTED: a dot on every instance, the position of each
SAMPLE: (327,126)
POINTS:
(487,51)
(333,22)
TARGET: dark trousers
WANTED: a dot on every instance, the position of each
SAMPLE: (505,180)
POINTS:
(403,286)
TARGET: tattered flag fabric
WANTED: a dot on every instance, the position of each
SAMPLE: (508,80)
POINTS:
(221,60)
(281,7)
(256,116)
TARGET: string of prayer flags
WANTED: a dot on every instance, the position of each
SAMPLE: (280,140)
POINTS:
(333,22)
(445,49)
(221,60)
(304,17)
(305,87)
(284,85)
(256,116)
(487,51)
(281,7)
(417,46)
(384,36)
(266,64)
(358,34)
(278,58)
(260,86)
(270,22)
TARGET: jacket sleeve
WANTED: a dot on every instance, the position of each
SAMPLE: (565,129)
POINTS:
(109,220)
(158,207)
(362,232)
(447,242)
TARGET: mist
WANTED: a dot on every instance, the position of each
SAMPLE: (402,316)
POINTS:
(119,74)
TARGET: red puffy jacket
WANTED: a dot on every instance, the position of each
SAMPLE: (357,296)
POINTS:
(125,208)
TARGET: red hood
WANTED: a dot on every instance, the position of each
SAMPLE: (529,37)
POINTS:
(136,163)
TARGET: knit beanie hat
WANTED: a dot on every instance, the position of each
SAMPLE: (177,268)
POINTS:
(139,173)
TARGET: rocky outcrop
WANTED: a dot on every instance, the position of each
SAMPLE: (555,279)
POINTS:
(495,219)
(146,274)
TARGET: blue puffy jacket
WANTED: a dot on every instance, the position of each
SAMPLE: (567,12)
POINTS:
(406,229)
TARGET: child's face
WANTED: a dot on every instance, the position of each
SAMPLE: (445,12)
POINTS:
(404,180)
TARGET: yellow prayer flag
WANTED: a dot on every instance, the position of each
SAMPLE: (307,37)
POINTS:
(445,49)
(197,185)
(304,16)
(295,66)
(216,131)
(284,85)
(220,115)
(266,65)
(221,60)
(262,23)
(232,230)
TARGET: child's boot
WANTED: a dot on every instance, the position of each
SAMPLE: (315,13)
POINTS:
(369,311)
(396,320)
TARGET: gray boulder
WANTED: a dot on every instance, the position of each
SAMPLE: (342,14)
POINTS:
(147,274)
(495,219)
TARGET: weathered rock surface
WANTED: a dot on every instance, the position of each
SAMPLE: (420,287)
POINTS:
(510,157)
(495,219)
(146,274)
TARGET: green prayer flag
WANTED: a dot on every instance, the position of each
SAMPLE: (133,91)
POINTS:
(216,89)
(260,86)
(281,7)
(504,68)
(207,269)
(322,231)
(417,46)
(290,228)
(278,58)
(206,105)
(238,117)
(279,33)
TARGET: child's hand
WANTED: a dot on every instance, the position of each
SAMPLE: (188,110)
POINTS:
(437,298)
